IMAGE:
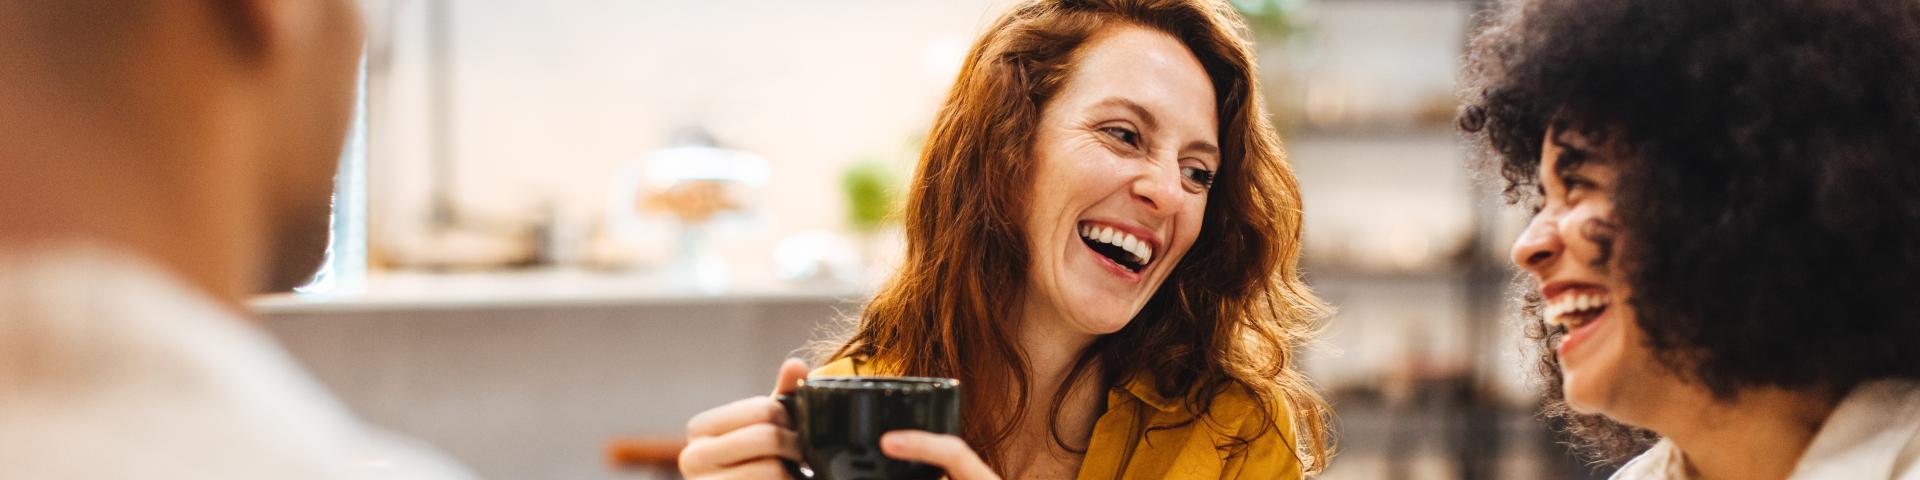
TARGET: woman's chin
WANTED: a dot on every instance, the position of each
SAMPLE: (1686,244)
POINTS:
(1582,407)
(1099,312)
(1101,322)
(1582,395)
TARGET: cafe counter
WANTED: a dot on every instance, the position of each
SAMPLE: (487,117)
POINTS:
(529,374)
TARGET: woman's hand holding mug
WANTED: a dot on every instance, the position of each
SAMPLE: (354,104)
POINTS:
(754,437)
(948,452)
(744,439)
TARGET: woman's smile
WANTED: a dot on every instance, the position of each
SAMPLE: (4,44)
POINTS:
(1580,310)
(1121,250)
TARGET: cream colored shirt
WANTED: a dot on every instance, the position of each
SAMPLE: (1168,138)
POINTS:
(112,368)
(1873,434)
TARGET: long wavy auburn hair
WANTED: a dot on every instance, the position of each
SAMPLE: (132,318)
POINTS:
(1230,316)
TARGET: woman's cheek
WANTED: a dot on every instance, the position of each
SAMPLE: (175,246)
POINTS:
(1193,221)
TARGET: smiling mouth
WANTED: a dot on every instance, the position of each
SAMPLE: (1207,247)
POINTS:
(1573,309)
(1122,248)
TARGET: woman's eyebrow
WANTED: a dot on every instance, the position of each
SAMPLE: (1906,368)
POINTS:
(1146,117)
(1148,122)
(1569,162)
(1201,147)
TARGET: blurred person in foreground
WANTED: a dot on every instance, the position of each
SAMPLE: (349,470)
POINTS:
(1102,245)
(160,162)
(1726,240)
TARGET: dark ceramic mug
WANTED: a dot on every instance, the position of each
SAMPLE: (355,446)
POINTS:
(840,420)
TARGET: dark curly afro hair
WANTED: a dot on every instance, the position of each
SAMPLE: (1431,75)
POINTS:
(1769,198)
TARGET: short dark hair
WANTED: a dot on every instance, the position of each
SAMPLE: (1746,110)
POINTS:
(1769,199)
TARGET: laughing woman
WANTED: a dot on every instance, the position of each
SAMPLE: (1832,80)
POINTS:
(1727,232)
(1102,243)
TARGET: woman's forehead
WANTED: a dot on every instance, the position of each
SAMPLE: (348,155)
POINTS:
(1148,68)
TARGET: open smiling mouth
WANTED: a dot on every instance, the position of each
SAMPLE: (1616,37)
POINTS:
(1122,248)
(1572,310)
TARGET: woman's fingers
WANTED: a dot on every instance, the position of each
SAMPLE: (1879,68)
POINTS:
(743,439)
(760,441)
(948,452)
(791,372)
(733,416)
(758,470)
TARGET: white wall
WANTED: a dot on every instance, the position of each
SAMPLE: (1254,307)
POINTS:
(552,96)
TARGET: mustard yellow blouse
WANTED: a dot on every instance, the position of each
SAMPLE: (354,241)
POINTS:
(1190,452)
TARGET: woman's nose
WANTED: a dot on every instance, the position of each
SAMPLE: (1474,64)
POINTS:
(1160,190)
(1538,245)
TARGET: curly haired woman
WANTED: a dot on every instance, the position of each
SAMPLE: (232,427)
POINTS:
(1726,237)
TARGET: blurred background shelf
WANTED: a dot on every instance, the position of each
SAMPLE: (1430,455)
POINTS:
(545,289)
(535,383)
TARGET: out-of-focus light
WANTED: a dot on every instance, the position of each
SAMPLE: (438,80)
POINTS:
(1407,248)
(671,165)
(1327,103)
(818,256)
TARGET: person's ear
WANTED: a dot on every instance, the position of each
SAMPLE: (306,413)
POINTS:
(269,33)
(249,26)
(260,30)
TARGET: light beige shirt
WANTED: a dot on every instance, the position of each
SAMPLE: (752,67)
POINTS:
(1873,434)
(112,368)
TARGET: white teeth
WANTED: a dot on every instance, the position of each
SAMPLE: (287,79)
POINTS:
(1560,309)
(1127,242)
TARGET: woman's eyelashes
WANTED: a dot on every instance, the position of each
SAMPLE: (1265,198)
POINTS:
(1123,135)
(1197,177)
(1575,182)
(1575,186)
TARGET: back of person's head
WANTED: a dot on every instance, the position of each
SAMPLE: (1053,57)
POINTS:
(171,126)
(1769,197)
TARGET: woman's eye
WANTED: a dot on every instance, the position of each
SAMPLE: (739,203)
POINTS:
(1574,181)
(1123,135)
(1199,176)
(1578,189)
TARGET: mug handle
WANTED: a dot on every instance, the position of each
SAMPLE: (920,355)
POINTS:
(793,420)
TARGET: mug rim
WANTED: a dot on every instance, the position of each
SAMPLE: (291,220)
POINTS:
(882,381)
